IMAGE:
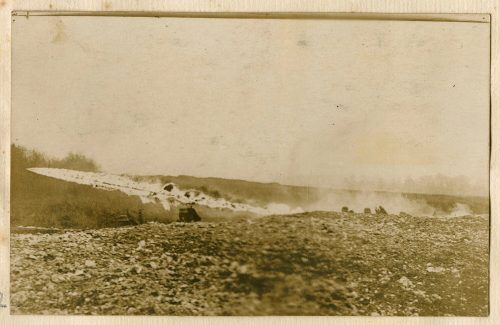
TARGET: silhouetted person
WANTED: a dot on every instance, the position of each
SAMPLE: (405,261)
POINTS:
(132,218)
(380,210)
(142,217)
(188,214)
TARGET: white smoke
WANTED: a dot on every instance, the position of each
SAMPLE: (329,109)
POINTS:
(393,203)
(460,210)
(166,194)
(281,208)
(170,195)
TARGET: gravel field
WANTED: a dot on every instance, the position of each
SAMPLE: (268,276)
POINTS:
(316,263)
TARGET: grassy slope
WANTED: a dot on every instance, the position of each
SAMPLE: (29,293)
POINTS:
(243,191)
(300,196)
(46,202)
(308,264)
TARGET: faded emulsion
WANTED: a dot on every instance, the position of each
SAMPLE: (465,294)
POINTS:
(249,164)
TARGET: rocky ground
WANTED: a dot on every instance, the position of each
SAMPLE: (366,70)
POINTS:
(317,263)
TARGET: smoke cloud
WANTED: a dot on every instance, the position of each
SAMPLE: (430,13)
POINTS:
(393,203)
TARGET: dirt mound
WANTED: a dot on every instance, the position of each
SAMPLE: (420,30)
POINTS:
(317,263)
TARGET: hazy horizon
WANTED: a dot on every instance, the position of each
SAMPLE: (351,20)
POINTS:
(367,184)
(298,102)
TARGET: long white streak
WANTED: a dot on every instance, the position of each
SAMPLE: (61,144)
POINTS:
(167,194)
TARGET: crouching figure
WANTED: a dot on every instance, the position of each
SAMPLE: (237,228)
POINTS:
(380,211)
(188,214)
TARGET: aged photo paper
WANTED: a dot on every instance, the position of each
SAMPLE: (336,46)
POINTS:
(250,164)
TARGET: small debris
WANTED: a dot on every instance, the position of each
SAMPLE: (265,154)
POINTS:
(433,269)
(320,263)
(405,282)
(90,263)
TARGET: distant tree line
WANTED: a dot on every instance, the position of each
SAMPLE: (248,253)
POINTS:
(42,201)
(430,184)
(23,158)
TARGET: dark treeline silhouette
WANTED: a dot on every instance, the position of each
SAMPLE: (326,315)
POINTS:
(42,201)
(22,158)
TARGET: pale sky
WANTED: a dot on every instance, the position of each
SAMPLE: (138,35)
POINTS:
(292,101)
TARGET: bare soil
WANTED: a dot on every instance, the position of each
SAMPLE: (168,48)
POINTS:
(316,263)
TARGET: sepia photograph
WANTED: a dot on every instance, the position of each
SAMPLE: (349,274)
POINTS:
(250,165)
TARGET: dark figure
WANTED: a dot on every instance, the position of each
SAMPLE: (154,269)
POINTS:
(168,187)
(188,215)
(368,211)
(380,210)
(142,217)
(345,209)
(132,218)
(122,220)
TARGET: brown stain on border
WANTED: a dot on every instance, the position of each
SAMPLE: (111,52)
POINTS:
(60,35)
(467,18)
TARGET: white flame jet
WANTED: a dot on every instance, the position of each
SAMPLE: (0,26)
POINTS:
(168,195)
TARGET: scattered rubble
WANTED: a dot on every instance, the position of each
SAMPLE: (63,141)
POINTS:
(433,269)
(317,263)
(406,283)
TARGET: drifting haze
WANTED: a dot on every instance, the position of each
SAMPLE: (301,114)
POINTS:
(304,102)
